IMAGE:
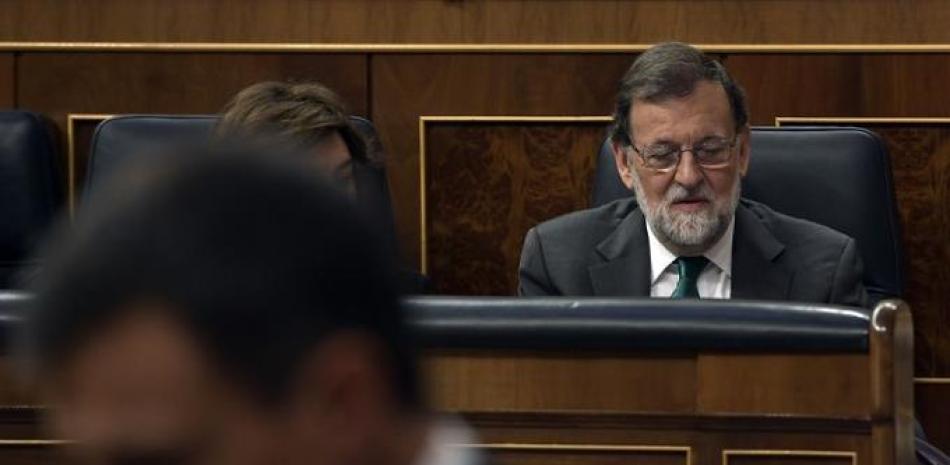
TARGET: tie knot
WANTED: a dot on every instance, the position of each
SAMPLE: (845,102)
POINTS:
(691,267)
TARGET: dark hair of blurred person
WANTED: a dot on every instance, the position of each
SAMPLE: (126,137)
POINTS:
(224,308)
(309,115)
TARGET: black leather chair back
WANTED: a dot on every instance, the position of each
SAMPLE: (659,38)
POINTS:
(122,138)
(30,189)
(836,176)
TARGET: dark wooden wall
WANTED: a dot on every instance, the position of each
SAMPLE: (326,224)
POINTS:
(478,21)
(408,59)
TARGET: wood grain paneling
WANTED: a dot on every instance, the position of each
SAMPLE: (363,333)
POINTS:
(7,80)
(789,458)
(843,85)
(920,159)
(799,85)
(487,183)
(828,449)
(905,85)
(933,410)
(473,381)
(61,83)
(474,21)
(784,384)
(406,87)
(590,456)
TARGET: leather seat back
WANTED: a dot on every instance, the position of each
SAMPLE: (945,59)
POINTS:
(30,189)
(121,138)
(836,176)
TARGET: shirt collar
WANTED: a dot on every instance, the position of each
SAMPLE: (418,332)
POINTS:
(720,253)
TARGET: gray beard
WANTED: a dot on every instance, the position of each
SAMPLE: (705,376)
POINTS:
(688,233)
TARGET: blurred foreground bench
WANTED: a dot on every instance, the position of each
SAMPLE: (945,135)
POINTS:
(585,382)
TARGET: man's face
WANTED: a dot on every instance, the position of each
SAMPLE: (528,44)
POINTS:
(689,206)
(334,160)
(141,391)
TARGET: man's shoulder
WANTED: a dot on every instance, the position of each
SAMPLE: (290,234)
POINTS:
(793,231)
(824,264)
(590,225)
(557,254)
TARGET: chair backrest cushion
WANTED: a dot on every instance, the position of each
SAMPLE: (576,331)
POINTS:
(839,177)
(122,138)
(30,188)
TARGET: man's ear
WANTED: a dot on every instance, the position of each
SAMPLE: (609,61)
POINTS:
(745,149)
(342,391)
(623,168)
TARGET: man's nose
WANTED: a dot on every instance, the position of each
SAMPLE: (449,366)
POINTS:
(688,172)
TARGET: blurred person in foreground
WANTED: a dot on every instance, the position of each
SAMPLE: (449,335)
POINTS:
(314,120)
(228,308)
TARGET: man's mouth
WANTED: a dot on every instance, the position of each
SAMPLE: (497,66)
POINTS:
(690,204)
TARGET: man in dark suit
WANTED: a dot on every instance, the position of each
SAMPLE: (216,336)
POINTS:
(681,142)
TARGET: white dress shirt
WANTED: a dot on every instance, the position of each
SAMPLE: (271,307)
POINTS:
(715,281)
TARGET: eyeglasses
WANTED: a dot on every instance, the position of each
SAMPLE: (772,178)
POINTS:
(712,153)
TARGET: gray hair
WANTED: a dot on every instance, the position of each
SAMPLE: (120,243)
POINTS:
(670,70)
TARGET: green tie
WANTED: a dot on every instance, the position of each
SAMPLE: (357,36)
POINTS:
(689,269)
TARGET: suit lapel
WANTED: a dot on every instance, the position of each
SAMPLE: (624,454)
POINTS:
(755,275)
(625,270)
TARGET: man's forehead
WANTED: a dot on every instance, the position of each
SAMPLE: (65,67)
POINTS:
(703,92)
(705,108)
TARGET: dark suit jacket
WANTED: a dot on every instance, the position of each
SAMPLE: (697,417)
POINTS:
(605,252)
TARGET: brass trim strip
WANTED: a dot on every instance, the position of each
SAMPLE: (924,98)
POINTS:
(779,120)
(425,119)
(71,180)
(515,119)
(726,453)
(7,407)
(423,234)
(686,450)
(301,47)
(33,442)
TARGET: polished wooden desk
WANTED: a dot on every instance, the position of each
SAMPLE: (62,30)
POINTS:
(566,405)
(570,407)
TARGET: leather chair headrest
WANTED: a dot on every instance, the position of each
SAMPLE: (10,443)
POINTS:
(839,177)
